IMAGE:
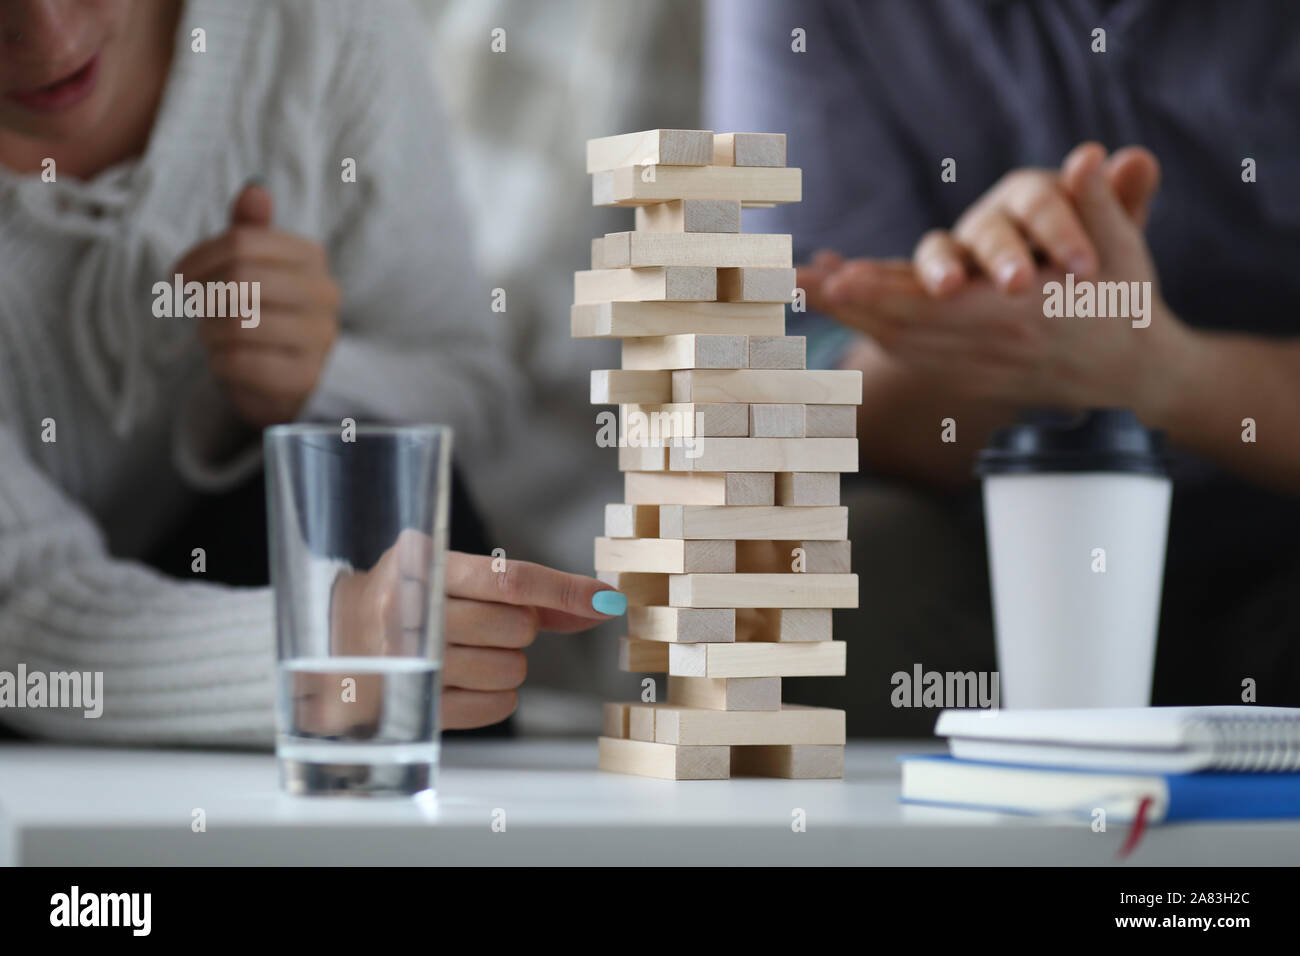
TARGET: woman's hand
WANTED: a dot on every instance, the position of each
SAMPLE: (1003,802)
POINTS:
(269,369)
(1030,216)
(490,617)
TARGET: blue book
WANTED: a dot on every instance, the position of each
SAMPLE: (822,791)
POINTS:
(1072,791)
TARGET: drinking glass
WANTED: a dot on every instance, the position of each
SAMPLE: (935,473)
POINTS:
(358,544)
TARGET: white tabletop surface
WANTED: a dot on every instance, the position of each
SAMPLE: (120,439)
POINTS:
(76,806)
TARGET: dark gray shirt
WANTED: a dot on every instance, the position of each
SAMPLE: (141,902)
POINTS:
(889,89)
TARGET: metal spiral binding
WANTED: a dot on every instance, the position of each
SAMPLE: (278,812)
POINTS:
(1252,744)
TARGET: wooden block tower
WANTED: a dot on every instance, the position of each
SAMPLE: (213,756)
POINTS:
(730,543)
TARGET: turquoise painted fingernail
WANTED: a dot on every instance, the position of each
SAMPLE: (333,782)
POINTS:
(609,602)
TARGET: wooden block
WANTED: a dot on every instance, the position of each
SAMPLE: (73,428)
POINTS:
(667,761)
(763,590)
(766,454)
(755,285)
(643,458)
(760,149)
(645,657)
(756,488)
(826,557)
(664,556)
(641,185)
(726,693)
(598,253)
(651,425)
(776,557)
(784,625)
(776,421)
(749,149)
(777,351)
(690,215)
(670,420)
(682,625)
(779,386)
(758,659)
(686,351)
(765,557)
(828,421)
(651,147)
(791,724)
(807,489)
(631,521)
(724,149)
(620,386)
(639,589)
(791,761)
(617,320)
(686,488)
(614,720)
(752,523)
(657,284)
(639,250)
(640,722)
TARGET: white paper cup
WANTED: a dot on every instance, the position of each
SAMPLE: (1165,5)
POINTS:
(1076,559)
(1069,634)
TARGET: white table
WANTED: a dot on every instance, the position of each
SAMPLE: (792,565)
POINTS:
(76,806)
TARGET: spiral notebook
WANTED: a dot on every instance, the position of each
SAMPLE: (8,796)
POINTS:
(1158,740)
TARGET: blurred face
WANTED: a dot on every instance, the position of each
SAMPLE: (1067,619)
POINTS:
(62,64)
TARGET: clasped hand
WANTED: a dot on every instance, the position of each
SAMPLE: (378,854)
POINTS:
(968,308)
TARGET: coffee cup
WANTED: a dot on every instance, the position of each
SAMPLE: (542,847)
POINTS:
(1076,512)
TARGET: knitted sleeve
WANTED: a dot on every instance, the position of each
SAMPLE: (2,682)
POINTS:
(420,339)
(178,663)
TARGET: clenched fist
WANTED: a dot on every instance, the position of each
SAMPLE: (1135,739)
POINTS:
(270,369)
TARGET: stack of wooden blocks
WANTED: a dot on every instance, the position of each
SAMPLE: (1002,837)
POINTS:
(730,544)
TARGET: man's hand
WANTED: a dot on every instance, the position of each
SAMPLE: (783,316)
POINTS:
(1030,218)
(991,342)
(268,370)
(490,617)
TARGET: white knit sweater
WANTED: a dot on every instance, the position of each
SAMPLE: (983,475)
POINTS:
(287,90)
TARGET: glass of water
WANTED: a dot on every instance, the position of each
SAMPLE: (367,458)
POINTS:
(358,543)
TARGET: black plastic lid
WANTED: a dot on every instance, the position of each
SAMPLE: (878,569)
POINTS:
(1107,439)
